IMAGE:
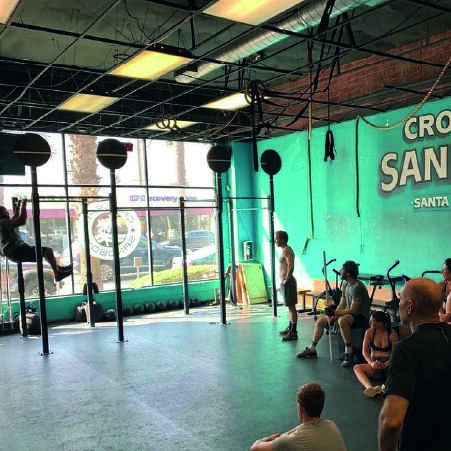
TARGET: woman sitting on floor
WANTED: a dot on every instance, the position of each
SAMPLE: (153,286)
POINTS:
(445,286)
(377,346)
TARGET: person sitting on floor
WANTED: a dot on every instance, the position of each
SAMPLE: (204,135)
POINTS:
(15,249)
(377,347)
(313,433)
(353,312)
(445,287)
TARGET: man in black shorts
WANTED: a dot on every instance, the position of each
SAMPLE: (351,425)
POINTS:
(15,249)
(288,285)
(353,312)
(416,415)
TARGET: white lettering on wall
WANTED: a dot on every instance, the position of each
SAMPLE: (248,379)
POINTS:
(389,171)
(440,167)
(410,168)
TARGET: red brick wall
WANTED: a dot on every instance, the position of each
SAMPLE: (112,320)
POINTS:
(362,82)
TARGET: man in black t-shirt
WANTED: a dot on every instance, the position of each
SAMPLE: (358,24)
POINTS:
(417,408)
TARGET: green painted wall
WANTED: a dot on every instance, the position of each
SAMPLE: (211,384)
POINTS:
(63,309)
(389,226)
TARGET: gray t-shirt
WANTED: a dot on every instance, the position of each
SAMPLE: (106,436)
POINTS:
(321,436)
(357,292)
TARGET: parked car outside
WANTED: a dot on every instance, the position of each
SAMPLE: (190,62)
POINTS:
(162,256)
(196,239)
(203,256)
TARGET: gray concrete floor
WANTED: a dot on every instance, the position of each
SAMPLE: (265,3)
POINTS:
(177,384)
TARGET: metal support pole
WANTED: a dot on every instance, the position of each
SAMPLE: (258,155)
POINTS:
(220,246)
(117,266)
(84,204)
(149,216)
(68,218)
(232,252)
(184,266)
(273,248)
(21,289)
(40,269)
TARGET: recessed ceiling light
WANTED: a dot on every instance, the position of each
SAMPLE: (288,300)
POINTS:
(232,102)
(252,12)
(150,64)
(86,103)
(7,7)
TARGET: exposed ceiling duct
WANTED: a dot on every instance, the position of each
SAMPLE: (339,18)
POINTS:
(307,17)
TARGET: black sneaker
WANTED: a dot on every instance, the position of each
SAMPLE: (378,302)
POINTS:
(60,275)
(347,362)
(290,336)
(67,268)
(285,331)
(306,353)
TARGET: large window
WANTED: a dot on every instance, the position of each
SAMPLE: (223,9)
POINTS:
(149,187)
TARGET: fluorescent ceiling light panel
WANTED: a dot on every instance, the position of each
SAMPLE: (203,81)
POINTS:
(87,103)
(170,126)
(252,12)
(7,7)
(150,65)
(233,102)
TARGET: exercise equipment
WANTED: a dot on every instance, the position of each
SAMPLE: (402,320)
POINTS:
(219,158)
(33,320)
(161,306)
(110,315)
(138,309)
(80,314)
(150,307)
(33,150)
(97,310)
(271,164)
(113,155)
(331,349)
(127,310)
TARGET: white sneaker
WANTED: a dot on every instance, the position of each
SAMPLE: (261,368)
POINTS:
(371,392)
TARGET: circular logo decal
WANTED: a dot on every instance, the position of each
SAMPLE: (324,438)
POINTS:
(100,233)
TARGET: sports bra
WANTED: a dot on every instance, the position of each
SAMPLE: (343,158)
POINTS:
(377,348)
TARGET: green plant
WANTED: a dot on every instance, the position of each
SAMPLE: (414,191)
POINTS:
(174,275)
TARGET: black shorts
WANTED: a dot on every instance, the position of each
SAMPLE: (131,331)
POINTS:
(290,292)
(359,321)
(23,252)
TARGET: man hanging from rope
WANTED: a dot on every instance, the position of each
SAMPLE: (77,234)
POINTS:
(15,249)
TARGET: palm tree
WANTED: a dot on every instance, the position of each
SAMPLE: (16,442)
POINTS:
(83,166)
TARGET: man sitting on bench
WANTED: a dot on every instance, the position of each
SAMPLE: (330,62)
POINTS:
(14,248)
(353,312)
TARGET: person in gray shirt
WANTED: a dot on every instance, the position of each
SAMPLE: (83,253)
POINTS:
(313,434)
(353,311)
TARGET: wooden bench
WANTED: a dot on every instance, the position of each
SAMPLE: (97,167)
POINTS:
(303,292)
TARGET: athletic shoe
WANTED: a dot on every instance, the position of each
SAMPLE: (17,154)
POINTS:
(285,331)
(306,353)
(65,268)
(371,392)
(290,336)
(347,362)
(60,275)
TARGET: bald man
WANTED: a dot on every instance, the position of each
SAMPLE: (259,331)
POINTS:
(417,407)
